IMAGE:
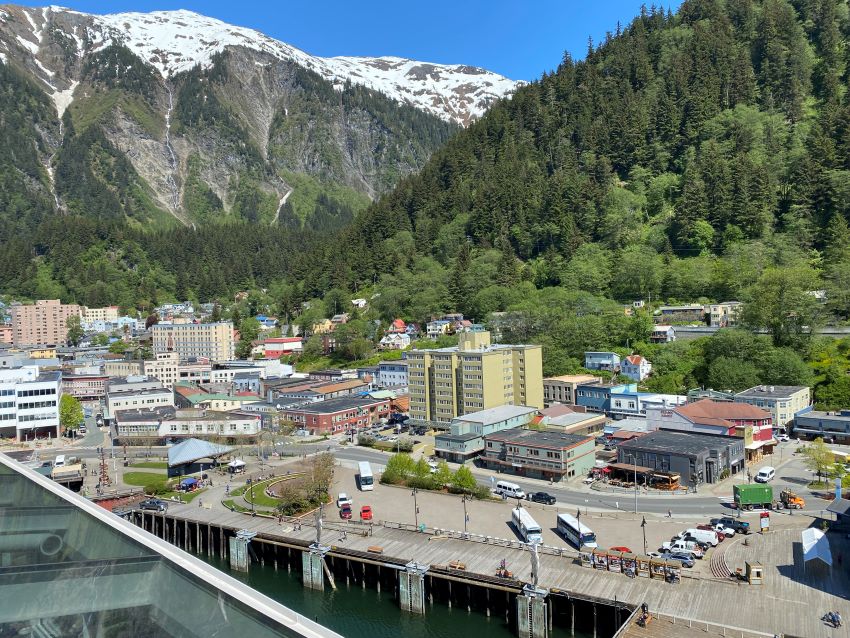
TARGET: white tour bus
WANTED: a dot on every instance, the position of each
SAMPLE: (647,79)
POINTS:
(365,478)
(576,533)
(526,526)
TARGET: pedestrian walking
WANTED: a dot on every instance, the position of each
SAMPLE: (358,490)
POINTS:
(669,514)
(200,502)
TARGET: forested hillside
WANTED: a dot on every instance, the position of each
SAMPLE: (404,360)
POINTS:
(698,156)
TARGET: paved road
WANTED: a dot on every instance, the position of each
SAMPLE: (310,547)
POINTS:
(791,473)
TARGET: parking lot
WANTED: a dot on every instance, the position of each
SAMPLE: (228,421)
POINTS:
(492,518)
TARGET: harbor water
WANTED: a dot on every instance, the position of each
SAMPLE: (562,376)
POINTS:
(355,612)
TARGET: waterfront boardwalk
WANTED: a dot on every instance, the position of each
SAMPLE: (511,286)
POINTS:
(791,601)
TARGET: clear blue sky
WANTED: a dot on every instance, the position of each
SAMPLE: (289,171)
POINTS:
(518,38)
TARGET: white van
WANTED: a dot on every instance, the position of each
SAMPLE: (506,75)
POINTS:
(765,474)
(702,535)
(509,490)
(59,461)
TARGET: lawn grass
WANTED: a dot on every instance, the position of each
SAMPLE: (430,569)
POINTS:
(186,497)
(259,496)
(152,465)
(146,480)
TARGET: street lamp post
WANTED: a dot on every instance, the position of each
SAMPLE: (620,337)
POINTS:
(643,526)
(415,508)
(634,462)
(465,515)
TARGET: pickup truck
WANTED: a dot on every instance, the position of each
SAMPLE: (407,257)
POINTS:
(541,497)
(343,499)
(690,547)
(740,527)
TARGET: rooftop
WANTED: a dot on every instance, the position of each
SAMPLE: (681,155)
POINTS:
(400,362)
(497,414)
(194,399)
(167,413)
(678,442)
(844,415)
(574,418)
(348,384)
(571,378)
(772,391)
(338,404)
(558,409)
(708,409)
(136,393)
(456,437)
(535,438)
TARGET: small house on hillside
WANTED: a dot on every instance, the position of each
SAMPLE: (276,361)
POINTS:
(636,367)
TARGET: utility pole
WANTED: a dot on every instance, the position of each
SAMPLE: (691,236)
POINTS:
(643,527)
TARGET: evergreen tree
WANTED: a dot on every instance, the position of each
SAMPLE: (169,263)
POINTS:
(459,289)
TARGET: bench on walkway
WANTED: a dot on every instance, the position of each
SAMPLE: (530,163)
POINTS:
(456,564)
(375,549)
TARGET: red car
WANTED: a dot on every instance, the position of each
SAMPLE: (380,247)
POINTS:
(345,511)
(620,548)
(366,513)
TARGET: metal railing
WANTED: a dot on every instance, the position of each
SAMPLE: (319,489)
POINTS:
(480,538)
(716,629)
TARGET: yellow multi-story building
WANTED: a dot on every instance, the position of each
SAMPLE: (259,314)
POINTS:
(109,313)
(476,375)
(213,341)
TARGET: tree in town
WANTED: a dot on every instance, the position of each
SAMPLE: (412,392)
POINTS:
(818,457)
(290,499)
(443,475)
(463,480)
(422,475)
(75,331)
(118,347)
(320,477)
(400,467)
(781,303)
(70,413)
(834,394)
(728,374)
(249,330)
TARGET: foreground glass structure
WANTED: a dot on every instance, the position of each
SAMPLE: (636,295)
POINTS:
(70,568)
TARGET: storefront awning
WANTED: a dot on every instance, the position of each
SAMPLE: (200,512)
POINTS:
(755,445)
(631,468)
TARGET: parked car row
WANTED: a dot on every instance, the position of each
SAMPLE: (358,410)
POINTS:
(346,510)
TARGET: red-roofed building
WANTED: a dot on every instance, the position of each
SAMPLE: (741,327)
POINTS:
(722,418)
(635,367)
(397,327)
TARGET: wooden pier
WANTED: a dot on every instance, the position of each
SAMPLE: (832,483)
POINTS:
(579,597)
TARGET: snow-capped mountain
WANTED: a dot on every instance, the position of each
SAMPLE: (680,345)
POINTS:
(176,41)
(177,115)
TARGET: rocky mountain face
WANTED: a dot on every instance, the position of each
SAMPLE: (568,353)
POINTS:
(175,117)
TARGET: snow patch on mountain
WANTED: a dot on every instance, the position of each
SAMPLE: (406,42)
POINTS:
(176,41)
(63,99)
